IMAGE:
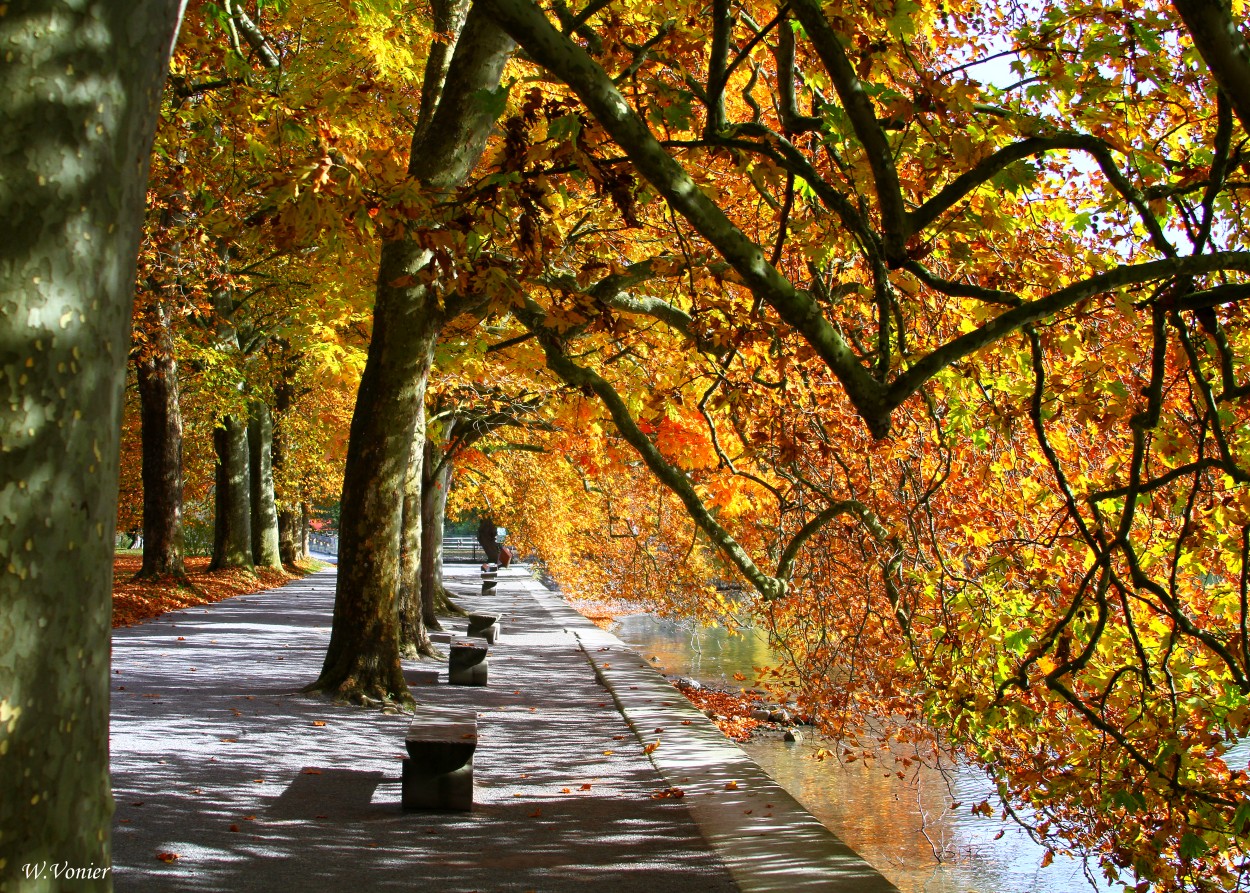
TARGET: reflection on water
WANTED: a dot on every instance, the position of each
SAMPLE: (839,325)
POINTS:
(896,824)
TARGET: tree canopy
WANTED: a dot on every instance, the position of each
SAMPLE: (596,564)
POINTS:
(916,326)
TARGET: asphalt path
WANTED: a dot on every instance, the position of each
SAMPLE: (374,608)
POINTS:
(227,778)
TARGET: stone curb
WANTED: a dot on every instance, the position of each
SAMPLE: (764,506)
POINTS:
(765,837)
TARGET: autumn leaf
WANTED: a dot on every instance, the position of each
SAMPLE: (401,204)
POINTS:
(650,748)
(167,857)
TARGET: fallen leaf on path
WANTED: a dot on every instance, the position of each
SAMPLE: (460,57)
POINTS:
(167,857)
(584,787)
(234,828)
(537,813)
(675,793)
(319,722)
(230,740)
(308,772)
(731,785)
(565,791)
(650,748)
(608,753)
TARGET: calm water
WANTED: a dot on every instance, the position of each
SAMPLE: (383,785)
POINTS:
(901,826)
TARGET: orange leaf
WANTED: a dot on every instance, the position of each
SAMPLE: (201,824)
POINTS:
(167,857)
(650,748)
(318,722)
(584,787)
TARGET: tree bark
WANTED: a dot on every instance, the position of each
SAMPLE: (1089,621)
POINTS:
(161,421)
(290,509)
(305,528)
(1223,47)
(232,527)
(435,480)
(264,509)
(362,660)
(414,638)
(74,151)
(290,534)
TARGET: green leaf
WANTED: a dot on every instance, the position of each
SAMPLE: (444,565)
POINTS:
(1192,846)
(494,102)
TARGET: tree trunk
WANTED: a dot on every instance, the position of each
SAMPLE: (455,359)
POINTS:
(414,638)
(290,534)
(362,661)
(435,480)
(232,528)
(161,420)
(305,528)
(290,509)
(74,151)
(264,509)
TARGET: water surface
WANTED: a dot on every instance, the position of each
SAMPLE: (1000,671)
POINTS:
(904,827)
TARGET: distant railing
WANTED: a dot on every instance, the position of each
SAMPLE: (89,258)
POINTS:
(456,549)
(325,543)
(462,550)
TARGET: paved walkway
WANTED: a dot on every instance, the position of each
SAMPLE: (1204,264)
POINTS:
(218,759)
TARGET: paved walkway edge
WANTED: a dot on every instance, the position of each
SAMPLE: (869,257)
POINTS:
(766,838)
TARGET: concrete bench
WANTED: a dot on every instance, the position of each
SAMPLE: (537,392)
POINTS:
(466,663)
(438,771)
(486,626)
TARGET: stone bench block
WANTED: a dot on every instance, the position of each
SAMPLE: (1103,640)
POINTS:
(438,772)
(486,626)
(440,638)
(467,664)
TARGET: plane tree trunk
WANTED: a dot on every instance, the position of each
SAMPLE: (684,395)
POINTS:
(435,480)
(160,417)
(414,638)
(232,526)
(362,660)
(260,467)
(73,167)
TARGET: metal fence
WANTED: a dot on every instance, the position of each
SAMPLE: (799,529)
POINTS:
(456,549)
(325,543)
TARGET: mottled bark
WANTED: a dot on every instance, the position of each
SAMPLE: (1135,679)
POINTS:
(290,534)
(291,512)
(435,481)
(362,661)
(79,89)
(1218,39)
(232,526)
(161,434)
(260,467)
(414,638)
(305,529)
